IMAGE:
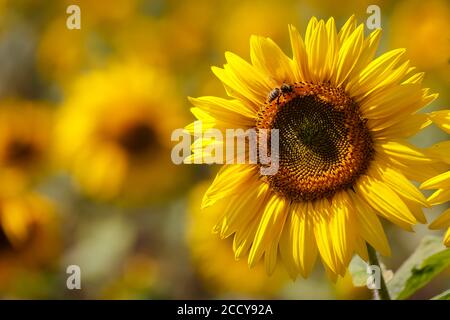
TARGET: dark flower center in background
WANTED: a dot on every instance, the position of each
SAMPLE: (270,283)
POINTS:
(20,153)
(324,143)
(5,244)
(138,139)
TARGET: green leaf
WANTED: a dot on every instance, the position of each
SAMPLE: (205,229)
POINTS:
(442,296)
(430,258)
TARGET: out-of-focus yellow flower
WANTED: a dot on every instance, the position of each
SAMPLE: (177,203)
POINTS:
(144,40)
(22,220)
(186,29)
(29,239)
(340,9)
(215,260)
(245,18)
(136,281)
(176,39)
(113,133)
(423,28)
(61,52)
(25,138)
(105,13)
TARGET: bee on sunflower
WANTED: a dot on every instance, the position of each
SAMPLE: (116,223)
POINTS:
(344,160)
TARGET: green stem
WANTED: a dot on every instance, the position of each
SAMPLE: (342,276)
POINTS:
(382,293)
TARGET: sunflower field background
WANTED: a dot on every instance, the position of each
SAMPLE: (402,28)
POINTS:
(86,117)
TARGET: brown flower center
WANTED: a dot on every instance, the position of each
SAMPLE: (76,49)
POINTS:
(324,144)
(20,153)
(138,139)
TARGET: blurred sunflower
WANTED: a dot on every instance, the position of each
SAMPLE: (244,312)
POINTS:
(223,274)
(343,159)
(113,133)
(22,218)
(25,139)
(61,52)
(441,182)
(238,25)
(137,280)
(189,23)
(430,23)
(29,243)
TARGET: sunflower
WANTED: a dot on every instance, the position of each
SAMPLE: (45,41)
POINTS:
(434,27)
(25,140)
(237,25)
(343,156)
(224,275)
(441,182)
(30,242)
(61,52)
(110,135)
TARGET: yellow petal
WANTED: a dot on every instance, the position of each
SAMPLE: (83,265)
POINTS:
(271,258)
(236,89)
(243,238)
(322,234)
(447,238)
(370,227)
(269,229)
(229,180)
(439,197)
(386,122)
(251,76)
(403,186)
(300,58)
(333,48)
(442,119)
(385,201)
(297,244)
(316,42)
(403,129)
(241,209)
(347,29)
(374,73)
(342,227)
(219,107)
(361,249)
(415,170)
(369,49)
(348,55)
(391,101)
(443,221)
(415,78)
(416,209)
(441,150)
(268,57)
(402,150)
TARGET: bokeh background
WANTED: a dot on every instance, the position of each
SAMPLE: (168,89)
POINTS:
(85,123)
